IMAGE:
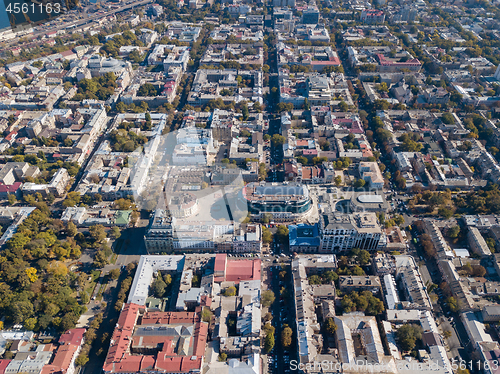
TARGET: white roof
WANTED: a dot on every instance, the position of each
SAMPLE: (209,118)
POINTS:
(148,265)
(370,199)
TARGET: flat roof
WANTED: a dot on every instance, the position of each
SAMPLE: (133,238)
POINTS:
(370,199)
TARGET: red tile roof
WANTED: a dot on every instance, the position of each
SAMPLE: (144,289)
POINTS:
(3,365)
(73,336)
(167,318)
(7,188)
(120,360)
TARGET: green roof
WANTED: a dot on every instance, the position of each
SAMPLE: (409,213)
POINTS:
(122,217)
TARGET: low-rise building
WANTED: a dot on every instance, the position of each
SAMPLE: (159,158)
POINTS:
(360,283)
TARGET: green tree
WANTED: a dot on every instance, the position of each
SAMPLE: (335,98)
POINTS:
(330,326)
(269,342)
(267,236)
(453,232)
(12,199)
(338,180)
(115,232)
(114,274)
(408,335)
(445,212)
(244,112)
(452,304)
(364,257)
(359,183)
(278,140)
(159,287)
(314,279)
(206,315)
(71,229)
(448,118)
(30,324)
(230,291)
(267,298)
(222,357)
(282,234)
(286,337)
(97,233)
(81,360)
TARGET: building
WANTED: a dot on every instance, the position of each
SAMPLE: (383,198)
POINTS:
(283,202)
(383,264)
(366,202)
(477,242)
(358,340)
(304,238)
(230,270)
(69,347)
(56,186)
(413,285)
(491,313)
(343,232)
(372,16)
(310,16)
(497,73)
(160,232)
(390,292)
(360,283)
(172,342)
(371,174)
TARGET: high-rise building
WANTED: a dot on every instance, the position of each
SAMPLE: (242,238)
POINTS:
(310,16)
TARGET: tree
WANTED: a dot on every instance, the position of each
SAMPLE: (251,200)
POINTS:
(278,139)
(330,276)
(452,304)
(407,336)
(267,236)
(314,279)
(12,199)
(72,199)
(338,180)
(222,357)
(82,359)
(356,270)
(286,337)
(453,232)
(478,271)
(359,183)
(269,342)
(330,326)
(491,244)
(447,334)
(445,212)
(97,233)
(230,291)
(364,257)
(30,324)
(343,106)
(206,314)
(115,232)
(114,274)
(159,287)
(244,112)
(282,234)
(448,118)
(267,298)
(71,229)
(168,279)
(147,89)
(100,259)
